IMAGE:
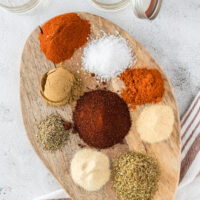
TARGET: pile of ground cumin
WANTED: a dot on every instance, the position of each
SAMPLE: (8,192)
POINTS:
(60,87)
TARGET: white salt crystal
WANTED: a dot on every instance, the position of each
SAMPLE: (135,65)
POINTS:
(107,57)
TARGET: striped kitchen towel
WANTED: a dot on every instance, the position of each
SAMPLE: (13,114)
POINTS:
(189,185)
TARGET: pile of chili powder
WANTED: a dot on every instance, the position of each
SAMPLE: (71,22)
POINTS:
(101,118)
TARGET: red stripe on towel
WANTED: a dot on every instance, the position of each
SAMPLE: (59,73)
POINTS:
(190,157)
(190,124)
(186,118)
(190,136)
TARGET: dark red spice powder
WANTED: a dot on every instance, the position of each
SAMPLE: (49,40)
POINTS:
(68,125)
(74,131)
(93,74)
(101,118)
(81,145)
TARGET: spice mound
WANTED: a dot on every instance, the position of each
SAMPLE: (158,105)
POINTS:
(135,176)
(142,86)
(60,87)
(155,123)
(107,57)
(90,169)
(101,118)
(62,35)
(51,133)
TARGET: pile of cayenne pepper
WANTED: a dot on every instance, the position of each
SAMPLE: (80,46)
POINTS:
(101,118)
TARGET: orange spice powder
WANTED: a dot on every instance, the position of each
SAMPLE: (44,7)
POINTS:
(142,86)
(61,36)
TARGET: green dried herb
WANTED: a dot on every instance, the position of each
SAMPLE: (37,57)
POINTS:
(135,176)
(51,133)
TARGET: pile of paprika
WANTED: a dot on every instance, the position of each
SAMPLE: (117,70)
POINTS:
(101,118)
(62,35)
(142,86)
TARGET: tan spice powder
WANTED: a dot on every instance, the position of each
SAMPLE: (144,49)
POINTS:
(155,123)
(59,87)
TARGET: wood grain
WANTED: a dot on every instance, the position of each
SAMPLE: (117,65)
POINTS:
(34,64)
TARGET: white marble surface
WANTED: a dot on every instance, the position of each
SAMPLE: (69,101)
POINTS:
(173,39)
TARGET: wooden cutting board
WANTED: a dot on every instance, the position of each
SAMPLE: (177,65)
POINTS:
(34,64)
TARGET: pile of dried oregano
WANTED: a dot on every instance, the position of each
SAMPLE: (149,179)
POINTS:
(135,176)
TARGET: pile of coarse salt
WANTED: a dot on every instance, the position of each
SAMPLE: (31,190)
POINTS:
(107,57)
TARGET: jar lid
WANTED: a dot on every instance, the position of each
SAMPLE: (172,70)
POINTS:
(146,9)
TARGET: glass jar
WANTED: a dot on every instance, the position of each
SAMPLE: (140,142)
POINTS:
(110,5)
(146,9)
(18,6)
